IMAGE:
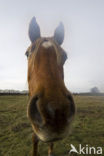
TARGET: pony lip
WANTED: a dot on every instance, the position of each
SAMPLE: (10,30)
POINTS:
(51,107)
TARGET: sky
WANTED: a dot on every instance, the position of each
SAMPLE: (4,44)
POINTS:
(84,40)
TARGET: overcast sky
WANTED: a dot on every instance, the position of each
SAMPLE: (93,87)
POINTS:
(84,40)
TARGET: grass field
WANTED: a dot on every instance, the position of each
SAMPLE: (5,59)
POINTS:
(16,132)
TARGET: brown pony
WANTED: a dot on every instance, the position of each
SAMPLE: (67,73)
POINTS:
(51,107)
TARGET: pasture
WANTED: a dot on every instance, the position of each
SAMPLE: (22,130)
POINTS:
(16,131)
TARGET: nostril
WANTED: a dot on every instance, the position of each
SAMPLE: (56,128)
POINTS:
(33,111)
(72,105)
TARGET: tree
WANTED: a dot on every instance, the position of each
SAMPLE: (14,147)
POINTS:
(95,90)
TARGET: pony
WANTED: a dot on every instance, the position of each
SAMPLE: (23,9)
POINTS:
(51,107)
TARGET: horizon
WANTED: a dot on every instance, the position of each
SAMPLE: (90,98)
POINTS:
(72,92)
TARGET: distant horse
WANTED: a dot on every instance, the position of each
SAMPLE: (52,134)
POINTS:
(51,107)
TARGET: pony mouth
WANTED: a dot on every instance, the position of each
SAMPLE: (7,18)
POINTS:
(46,135)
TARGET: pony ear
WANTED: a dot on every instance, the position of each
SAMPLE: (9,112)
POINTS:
(34,30)
(59,34)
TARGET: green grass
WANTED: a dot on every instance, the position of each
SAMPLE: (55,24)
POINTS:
(16,131)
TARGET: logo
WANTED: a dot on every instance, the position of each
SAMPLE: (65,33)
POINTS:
(85,150)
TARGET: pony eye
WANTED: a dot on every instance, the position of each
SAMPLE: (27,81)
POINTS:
(27,53)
